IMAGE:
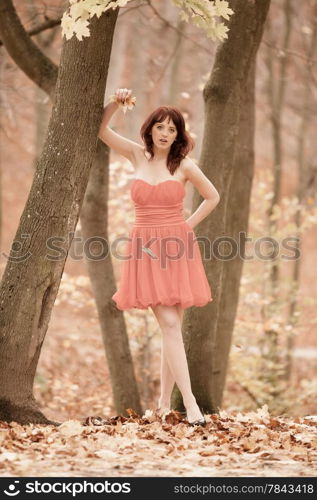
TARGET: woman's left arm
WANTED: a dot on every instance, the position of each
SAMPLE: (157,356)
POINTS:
(205,187)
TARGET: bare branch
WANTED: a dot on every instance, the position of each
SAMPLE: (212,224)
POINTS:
(50,23)
(25,53)
(289,51)
(167,23)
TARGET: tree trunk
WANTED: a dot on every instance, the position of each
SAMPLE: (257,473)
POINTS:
(277,86)
(236,223)
(94,224)
(207,333)
(124,386)
(307,113)
(32,276)
(176,64)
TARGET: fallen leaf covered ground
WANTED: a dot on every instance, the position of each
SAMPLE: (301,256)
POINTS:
(232,444)
(73,387)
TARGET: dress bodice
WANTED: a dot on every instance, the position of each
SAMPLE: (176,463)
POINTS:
(158,204)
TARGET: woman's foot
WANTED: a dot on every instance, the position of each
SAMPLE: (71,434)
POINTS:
(193,413)
(162,411)
(163,407)
(200,421)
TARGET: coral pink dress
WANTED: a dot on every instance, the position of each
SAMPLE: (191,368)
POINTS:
(162,262)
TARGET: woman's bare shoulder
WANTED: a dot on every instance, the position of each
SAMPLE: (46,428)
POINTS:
(184,166)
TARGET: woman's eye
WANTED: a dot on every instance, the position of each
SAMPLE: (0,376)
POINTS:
(171,130)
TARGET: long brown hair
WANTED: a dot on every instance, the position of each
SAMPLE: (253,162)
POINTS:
(183,142)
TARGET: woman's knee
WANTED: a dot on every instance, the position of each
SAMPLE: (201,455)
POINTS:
(167,317)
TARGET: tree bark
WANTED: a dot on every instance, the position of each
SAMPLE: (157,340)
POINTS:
(124,385)
(236,222)
(32,275)
(207,333)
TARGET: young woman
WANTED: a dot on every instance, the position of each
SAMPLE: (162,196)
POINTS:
(164,270)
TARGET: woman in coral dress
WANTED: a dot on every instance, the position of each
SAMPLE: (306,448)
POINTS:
(163,267)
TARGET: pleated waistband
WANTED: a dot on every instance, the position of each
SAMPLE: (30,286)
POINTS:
(158,215)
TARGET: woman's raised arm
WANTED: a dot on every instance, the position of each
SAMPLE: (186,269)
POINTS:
(123,146)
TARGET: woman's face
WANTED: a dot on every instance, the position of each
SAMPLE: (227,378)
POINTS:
(164,133)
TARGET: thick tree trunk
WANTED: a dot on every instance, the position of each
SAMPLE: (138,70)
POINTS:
(207,333)
(236,223)
(124,386)
(32,276)
(94,223)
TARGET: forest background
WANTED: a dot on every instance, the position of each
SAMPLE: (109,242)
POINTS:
(273,354)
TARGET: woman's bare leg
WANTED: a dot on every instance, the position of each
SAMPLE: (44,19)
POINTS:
(174,365)
(180,312)
(167,379)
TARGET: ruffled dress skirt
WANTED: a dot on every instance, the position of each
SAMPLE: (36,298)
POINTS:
(161,263)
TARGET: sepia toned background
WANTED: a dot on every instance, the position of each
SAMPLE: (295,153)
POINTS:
(167,61)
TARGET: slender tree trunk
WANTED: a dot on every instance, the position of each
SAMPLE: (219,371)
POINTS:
(277,85)
(204,329)
(176,65)
(32,276)
(94,224)
(303,175)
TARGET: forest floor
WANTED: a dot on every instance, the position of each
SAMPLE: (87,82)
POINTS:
(252,444)
(72,386)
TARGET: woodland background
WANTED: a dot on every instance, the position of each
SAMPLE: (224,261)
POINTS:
(160,64)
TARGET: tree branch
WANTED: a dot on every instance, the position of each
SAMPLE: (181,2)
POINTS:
(289,51)
(25,53)
(171,26)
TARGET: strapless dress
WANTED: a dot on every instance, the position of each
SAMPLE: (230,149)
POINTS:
(162,262)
